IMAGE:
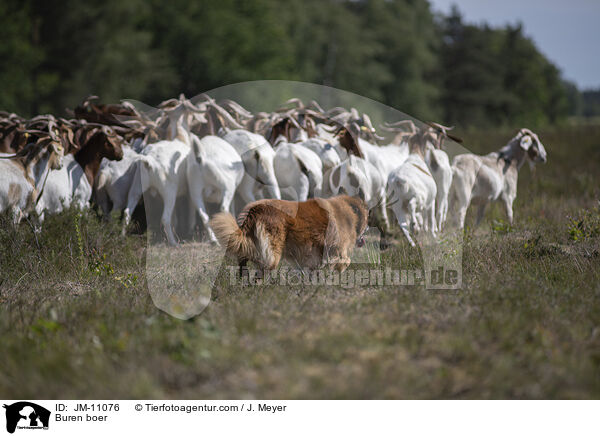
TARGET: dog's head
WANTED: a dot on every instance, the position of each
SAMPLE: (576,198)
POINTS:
(361,217)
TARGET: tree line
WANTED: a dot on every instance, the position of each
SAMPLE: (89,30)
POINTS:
(399,52)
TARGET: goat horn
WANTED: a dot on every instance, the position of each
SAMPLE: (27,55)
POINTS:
(409,123)
(525,131)
(296,101)
(454,138)
(367,122)
(439,127)
(316,105)
(444,131)
(392,129)
(237,108)
(369,125)
(226,115)
(172,102)
(196,100)
(143,109)
(35,132)
(189,105)
(88,100)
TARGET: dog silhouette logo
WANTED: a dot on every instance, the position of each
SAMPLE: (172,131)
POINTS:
(26,415)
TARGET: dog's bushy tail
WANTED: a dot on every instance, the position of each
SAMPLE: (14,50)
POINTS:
(232,237)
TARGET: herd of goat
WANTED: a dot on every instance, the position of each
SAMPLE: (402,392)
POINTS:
(202,152)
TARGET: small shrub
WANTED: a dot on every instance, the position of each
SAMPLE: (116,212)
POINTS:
(585,225)
(97,264)
(531,245)
(501,227)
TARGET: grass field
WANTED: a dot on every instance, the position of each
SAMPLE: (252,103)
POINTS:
(77,321)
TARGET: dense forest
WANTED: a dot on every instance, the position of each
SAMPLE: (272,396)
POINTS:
(56,52)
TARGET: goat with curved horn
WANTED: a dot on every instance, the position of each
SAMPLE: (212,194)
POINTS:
(483,179)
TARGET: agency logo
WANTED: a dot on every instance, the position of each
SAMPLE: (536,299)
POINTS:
(26,415)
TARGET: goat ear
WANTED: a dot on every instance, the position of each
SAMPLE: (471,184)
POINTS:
(525,142)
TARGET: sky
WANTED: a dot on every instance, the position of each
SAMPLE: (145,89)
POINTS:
(566,31)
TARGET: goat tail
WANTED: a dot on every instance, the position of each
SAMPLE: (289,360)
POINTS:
(458,189)
(433,162)
(232,237)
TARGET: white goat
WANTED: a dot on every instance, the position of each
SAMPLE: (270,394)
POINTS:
(65,187)
(483,179)
(161,168)
(22,176)
(436,159)
(214,171)
(412,190)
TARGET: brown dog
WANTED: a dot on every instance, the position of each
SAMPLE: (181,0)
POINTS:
(309,233)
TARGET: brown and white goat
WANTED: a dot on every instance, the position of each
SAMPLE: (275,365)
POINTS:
(24,174)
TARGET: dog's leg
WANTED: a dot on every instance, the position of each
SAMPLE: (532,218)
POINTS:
(338,259)
(277,252)
(343,263)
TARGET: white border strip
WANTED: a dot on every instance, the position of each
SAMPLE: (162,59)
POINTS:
(317,417)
